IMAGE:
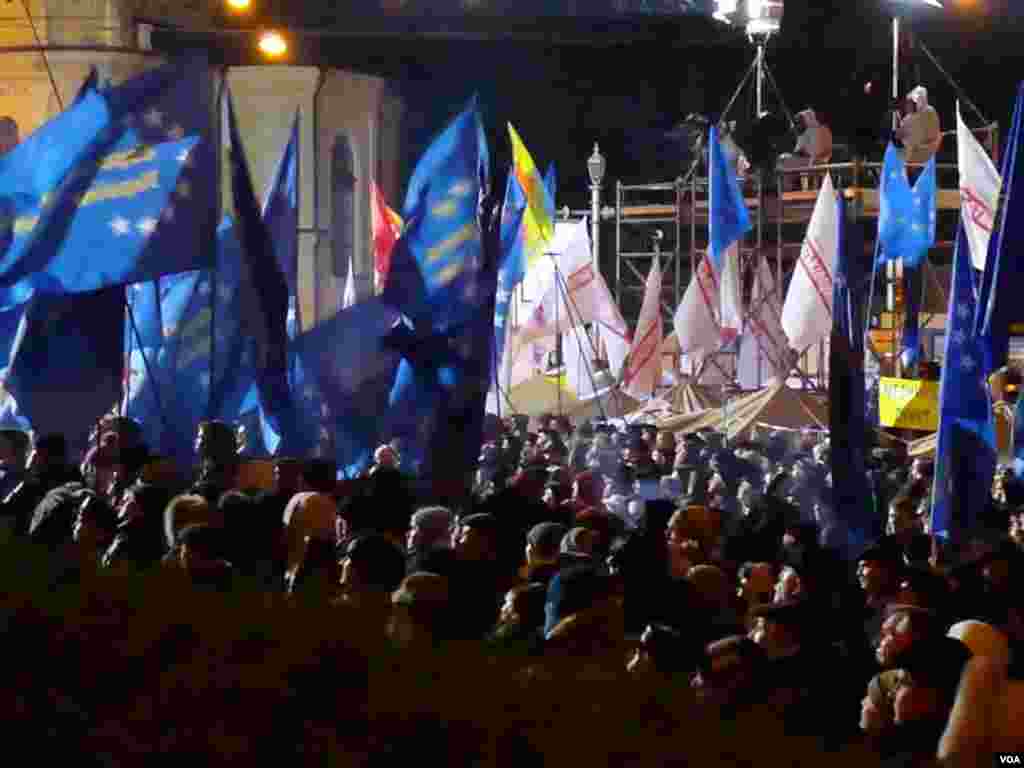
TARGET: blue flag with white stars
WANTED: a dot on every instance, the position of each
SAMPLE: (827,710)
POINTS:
(965,458)
(263,309)
(443,282)
(442,236)
(109,192)
(906,230)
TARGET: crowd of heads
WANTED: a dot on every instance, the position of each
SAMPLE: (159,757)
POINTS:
(723,568)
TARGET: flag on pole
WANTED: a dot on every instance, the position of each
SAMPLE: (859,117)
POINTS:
(643,366)
(906,230)
(281,208)
(387,228)
(539,220)
(999,305)
(729,221)
(264,306)
(906,217)
(965,457)
(574,295)
(979,191)
(710,314)
(807,313)
(696,319)
(443,283)
(847,419)
(764,351)
(127,172)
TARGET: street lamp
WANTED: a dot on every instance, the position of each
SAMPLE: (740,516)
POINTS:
(896,47)
(273,45)
(595,169)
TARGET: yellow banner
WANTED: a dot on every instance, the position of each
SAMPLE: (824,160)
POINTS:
(908,404)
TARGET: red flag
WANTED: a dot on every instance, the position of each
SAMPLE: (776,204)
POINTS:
(387,226)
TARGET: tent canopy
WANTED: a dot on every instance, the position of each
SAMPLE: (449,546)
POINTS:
(774,406)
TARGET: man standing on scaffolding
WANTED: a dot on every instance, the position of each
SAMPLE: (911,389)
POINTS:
(813,146)
(919,132)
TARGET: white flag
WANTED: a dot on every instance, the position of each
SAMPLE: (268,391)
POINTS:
(643,368)
(615,343)
(979,191)
(807,313)
(696,319)
(763,353)
(576,295)
(731,295)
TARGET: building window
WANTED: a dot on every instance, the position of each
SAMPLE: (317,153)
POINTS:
(343,205)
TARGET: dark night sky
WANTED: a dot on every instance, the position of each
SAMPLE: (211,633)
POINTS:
(597,78)
(563,98)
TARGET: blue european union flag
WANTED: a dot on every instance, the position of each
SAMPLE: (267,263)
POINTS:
(999,304)
(966,455)
(107,176)
(906,217)
(264,307)
(730,219)
(446,334)
(442,236)
(512,257)
(168,369)
(847,407)
(342,377)
(906,230)
(66,365)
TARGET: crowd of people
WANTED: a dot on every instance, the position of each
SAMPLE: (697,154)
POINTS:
(720,569)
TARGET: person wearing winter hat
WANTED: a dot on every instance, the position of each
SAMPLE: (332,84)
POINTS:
(920,131)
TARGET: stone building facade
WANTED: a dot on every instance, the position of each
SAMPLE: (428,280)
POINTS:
(351,124)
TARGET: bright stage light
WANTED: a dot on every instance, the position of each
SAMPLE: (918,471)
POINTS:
(273,45)
(239,5)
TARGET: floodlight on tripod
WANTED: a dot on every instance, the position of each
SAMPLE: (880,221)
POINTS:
(760,19)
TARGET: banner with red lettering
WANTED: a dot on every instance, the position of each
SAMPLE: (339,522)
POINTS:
(807,313)
(979,191)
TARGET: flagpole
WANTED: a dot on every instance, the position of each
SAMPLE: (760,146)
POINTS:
(895,67)
(570,304)
(149,370)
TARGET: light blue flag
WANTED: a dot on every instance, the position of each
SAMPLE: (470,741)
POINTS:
(966,455)
(906,218)
(511,259)
(906,230)
(729,218)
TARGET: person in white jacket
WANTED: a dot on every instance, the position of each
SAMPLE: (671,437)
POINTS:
(813,146)
(920,130)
